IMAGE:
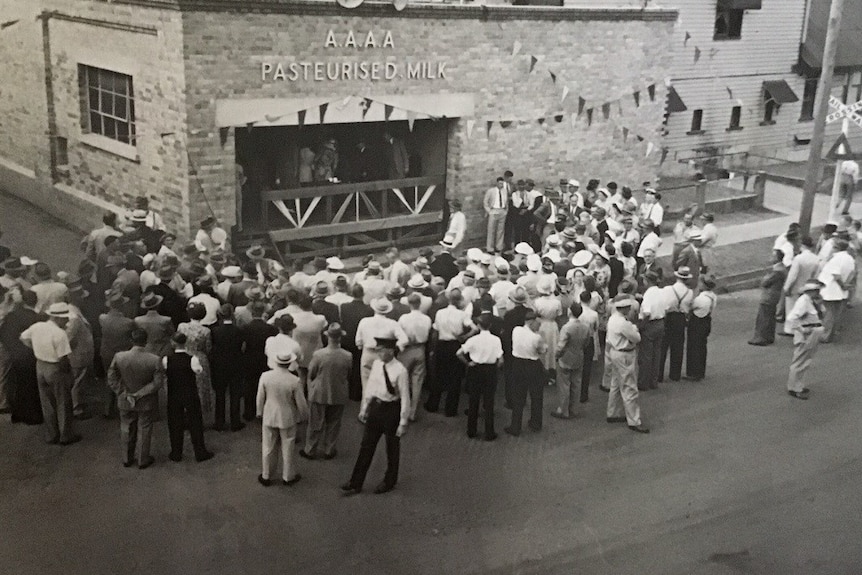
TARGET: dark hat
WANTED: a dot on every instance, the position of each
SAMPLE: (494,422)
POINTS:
(198,268)
(708,282)
(167,272)
(218,258)
(321,288)
(142,202)
(190,249)
(208,221)
(386,342)
(42,271)
(341,282)
(395,292)
(76,286)
(484,282)
(255,252)
(612,186)
(151,301)
(334,330)
(623,300)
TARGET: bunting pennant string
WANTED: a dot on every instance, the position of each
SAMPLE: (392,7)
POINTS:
(300,116)
(541,121)
(366,105)
(533,62)
(470,125)
(625,134)
(488,126)
(696,54)
(249,126)
(271,119)
(649,149)
(411,118)
(581,104)
(687,38)
(553,77)
(565,93)
(387,111)
(516,47)
(664,152)
(729,92)
(222,136)
(637,97)
(505,123)
(606,111)
(323,108)
(558,118)
(589,116)
(651,92)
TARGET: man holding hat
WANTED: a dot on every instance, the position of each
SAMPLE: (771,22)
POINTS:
(281,406)
(371,329)
(622,340)
(136,376)
(385,410)
(806,321)
(457,227)
(50,345)
(678,299)
(328,376)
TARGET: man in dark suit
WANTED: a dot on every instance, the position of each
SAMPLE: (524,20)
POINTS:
(351,314)
(398,309)
(136,377)
(649,265)
(617,270)
(320,306)
(226,359)
(444,264)
(255,333)
(691,258)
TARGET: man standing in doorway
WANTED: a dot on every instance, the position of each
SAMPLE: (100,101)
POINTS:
(496,204)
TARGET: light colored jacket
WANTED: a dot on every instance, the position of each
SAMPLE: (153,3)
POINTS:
(280,399)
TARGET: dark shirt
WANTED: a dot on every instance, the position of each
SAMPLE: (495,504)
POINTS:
(227,342)
(255,334)
(351,314)
(514,317)
(326,309)
(444,266)
(11,328)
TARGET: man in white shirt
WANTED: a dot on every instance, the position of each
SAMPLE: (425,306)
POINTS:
(622,340)
(50,345)
(457,226)
(650,209)
(398,272)
(806,322)
(210,237)
(650,240)
(803,268)
(483,356)
(496,203)
(679,297)
(590,317)
(527,374)
(385,410)
(683,230)
(652,319)
(417,327)
(699,328)
(849,174)
(501,288)
(452,326)
(370,329)
(283,343)
(835,276)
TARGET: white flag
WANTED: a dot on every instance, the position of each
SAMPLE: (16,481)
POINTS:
(470,125)
(565,93)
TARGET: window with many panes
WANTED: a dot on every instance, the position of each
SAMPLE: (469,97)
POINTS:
(108,104)
(728,24)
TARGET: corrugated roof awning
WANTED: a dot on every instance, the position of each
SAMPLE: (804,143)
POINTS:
(674,102)
(740,4)
(780,92)
(341,110)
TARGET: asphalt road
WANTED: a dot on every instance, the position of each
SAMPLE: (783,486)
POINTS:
(736,477)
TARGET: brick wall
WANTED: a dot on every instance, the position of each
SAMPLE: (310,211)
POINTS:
(600,59)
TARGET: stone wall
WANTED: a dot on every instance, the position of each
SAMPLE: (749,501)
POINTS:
(600,55)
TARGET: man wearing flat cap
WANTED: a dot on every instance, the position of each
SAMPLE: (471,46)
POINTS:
(622,340)
(385,411)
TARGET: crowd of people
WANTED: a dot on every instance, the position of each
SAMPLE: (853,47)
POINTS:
(565,296)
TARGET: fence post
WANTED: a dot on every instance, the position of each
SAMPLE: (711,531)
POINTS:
(700,194)
(760,188)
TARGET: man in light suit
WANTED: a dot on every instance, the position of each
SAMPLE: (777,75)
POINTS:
(804,267)
(575,338)
(281,406)
(136,376)
(496,202)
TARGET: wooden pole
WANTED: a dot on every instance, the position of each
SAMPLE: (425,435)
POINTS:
(814,170)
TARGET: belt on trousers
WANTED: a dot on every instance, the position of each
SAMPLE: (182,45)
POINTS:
(409,345)
(625,349)
(812,325)
(384,402)
(656,319)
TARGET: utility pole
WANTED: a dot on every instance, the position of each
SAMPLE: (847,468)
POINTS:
(814,170)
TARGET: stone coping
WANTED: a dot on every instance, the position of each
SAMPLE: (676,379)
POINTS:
(496,12)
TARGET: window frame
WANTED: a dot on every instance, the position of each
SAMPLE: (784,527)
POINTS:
(809,96)
(115,110)
(696,122)
(732,16)
(735,119)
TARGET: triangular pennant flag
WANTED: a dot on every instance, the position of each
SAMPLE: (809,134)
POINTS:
(696,54)
(488,125)
(663,155)
(411,117)
(249,126)
(222,136)
(651,92)
(558,118)
(516,47)
(640,138)
(470,125)
(541,121)
(620,106)
(637,97)
(366,105)
(625,134)
(581,104)
(589,116)
(729,92)
(533,62)
(565,93)
(606,110)
(300,118)
(344,103)
(649,148)
(505,123)
(553,77)
(323,108)
(574,120)
(712,53)
(387,111)
(687,38)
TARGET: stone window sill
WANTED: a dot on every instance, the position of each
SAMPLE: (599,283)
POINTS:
(734,129)
(767,123)
(695,132)
(111,146)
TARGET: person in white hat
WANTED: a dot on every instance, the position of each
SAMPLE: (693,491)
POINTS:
(417,326)
(398,272)
(457,227)
(548,309)
(452,326)
(651,209)
(281,406)
(806,321)
(372,328)
(622,340)
(474,256)
(374,284)
(50,345)
(418,285)
(679,299)
(501,288)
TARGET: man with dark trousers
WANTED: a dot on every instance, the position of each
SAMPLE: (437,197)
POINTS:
(352,313)
(678,300)
(184,405)
(512,319)
(527,373)
(226,368)
(385,411)
(136,376)
(254,363)
(482,354)
(452,326)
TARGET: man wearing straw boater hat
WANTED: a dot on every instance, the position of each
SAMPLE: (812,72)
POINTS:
(806,321)
(679,298)
(385,410)
(50,345)
(371,329)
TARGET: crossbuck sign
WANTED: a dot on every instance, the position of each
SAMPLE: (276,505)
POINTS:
(844,111)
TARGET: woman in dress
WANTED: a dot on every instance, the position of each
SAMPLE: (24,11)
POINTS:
(548,309)
(199,344)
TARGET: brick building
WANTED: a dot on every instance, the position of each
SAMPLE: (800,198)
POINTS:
(165,98)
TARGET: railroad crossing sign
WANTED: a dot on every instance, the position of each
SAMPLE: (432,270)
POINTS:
(844,111)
